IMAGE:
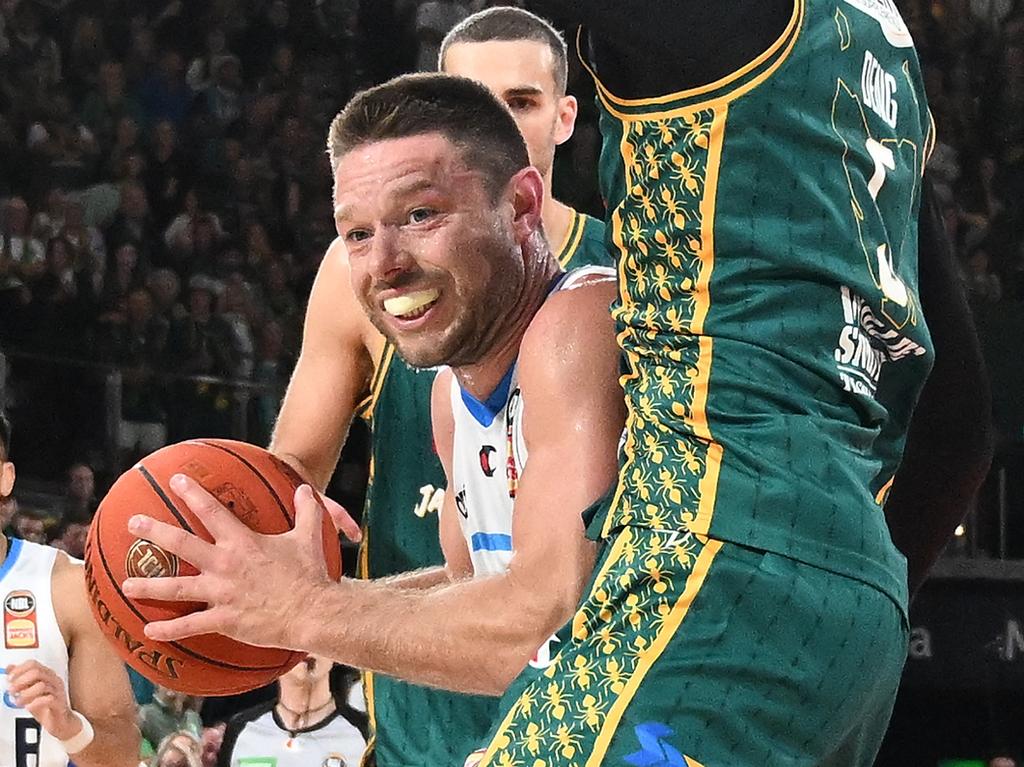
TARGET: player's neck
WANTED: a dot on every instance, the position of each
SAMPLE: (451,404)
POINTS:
(3,548)
(557,217)
(481,378)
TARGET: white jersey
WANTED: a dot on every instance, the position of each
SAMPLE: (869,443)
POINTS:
(30,632)
(489,455)
(257,738)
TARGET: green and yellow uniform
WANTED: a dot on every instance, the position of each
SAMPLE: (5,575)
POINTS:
(749,607)
(416,725)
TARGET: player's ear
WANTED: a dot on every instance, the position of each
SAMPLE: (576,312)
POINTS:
(565,122)
(7,475)
(527,188)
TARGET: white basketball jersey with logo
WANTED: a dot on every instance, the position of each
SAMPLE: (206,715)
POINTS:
(488,457)
(30,632)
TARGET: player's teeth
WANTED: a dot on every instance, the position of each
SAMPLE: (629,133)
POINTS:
(399,306)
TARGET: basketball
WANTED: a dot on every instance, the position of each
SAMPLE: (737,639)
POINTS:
(259,489)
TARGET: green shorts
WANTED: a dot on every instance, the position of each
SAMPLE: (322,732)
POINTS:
(689,652)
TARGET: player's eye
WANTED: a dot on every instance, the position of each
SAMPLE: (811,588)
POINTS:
(421,215)
(357,235)
(519,104)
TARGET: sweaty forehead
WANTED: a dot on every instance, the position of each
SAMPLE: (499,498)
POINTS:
(398,166)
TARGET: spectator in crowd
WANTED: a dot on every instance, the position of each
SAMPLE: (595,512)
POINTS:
(308,724)
(124,274)
(982,284)
(165,94)
(213,738)
(105,105)
(32,53)
(22,256)
(29,525)
(179,749)
(168,714)
(165,288)
(167,173)
(80,501)
(70,537)
(138,347)
(133,223)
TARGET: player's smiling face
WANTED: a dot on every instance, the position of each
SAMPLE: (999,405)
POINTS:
(434,258)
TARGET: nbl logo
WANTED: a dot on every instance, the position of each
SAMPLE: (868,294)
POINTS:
(147,560)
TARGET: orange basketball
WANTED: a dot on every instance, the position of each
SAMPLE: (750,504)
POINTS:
(259,488)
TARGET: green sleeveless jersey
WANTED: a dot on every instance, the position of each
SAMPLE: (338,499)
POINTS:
(766,232)
(416,725)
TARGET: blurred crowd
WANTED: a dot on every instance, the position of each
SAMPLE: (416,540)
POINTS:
(165,204)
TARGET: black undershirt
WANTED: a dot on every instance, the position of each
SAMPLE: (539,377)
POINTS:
(644,49)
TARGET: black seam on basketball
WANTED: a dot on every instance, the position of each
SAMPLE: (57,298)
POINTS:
(128,603)
(284,509)
(164,497)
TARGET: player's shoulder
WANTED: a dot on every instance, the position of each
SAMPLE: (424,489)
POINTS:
(574,323)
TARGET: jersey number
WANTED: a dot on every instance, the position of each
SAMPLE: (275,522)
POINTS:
(881,211)
(431,500)
(26,742)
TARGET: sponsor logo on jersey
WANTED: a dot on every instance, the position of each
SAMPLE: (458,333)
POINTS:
(865,344)
(511,470)
(460,503)
(21,631)
(334,760)
(147,560)
(485,460)
(889,19)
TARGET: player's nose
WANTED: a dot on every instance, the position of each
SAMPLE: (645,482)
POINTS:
(388,257)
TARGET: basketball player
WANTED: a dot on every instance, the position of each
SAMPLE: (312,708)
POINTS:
(64,692)
(763,165)
(523,61)
(439,212)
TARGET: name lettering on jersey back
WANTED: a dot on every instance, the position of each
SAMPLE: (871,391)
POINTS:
(866,344)
(878,88)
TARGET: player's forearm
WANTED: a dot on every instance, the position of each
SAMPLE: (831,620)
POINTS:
(115,744)
(471,636)
(318,474)
(425,578)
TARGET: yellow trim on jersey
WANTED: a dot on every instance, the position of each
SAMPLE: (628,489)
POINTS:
(366,407)
(883,492)
(371,715)
(653,651)
(619,240)
(790,33)
(573,237)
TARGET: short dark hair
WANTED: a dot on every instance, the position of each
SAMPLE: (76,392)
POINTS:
(505,23)
(461,110)
(5,437)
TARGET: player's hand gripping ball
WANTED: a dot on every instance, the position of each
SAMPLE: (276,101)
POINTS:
(259,489)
